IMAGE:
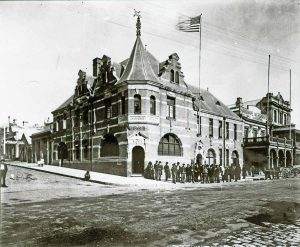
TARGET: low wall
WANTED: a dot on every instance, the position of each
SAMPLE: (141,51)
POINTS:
(110,167)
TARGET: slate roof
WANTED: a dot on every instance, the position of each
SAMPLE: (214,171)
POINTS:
(209,103)
(138,67)
(66,103)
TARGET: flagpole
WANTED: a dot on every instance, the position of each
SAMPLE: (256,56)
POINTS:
(200,29)
(290,104)
(268,97)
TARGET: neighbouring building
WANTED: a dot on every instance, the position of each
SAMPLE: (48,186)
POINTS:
(137,111)
(17,141)
(42,144)
(270,140)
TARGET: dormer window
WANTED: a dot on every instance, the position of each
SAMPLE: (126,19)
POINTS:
(201,98)
(218,103)
(172,75)
(177,77)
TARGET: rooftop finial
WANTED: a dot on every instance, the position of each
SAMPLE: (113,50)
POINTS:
(138,22)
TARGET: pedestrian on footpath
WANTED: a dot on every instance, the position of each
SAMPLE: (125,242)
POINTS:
(156,170)
(159,171)
(87,176)
(178,176)
(3,173)
(196,172)
(244,171)
(147,170)
(192,173)
(217,174)
(174,173)
(205,175)
(183,173)
(231,173)
(167,171)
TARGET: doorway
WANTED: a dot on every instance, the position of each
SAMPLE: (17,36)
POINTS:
(138,157)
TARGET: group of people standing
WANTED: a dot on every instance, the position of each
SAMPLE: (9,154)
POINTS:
(182,173)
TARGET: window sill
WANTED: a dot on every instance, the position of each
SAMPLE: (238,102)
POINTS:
(171,118)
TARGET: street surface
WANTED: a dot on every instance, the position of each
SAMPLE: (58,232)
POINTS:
(40,209)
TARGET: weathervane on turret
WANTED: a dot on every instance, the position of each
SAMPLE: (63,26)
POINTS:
(138,22)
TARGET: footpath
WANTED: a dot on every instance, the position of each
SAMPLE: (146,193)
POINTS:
(107,179)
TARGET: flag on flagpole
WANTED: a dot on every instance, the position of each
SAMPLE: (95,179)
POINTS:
(190,24)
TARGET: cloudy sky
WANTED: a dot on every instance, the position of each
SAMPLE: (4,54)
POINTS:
(44,44)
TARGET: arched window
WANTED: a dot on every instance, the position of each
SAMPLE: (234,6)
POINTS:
(211,156)
(109,146)
(172,75)
(137,104)
(235,157)
(152,105)
(170,145)
(177,77)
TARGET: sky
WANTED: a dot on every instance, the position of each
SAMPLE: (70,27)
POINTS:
(43,45)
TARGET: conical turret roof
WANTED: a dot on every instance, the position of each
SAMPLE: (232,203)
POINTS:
(138,67)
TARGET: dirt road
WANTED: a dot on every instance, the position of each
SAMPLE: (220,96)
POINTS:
(61,211)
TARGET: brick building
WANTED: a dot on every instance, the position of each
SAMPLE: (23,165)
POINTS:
(142,110)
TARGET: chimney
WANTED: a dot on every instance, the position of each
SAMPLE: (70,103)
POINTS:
(239,102)
(96,66)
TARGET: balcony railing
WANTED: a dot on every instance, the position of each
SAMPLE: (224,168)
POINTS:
(256,139)
(265,139)
(138,118)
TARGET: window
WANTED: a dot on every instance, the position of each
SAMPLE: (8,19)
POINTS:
(77,119)
(152,105)
(77,150)
(64,124)
(227,157)
(123,107)
(172,75)
(227,130)
(210,157)
(285,119)
(254,133)
(275,116)
(235,131)
(262,133)
(137,104)
(85,117)
(171,107)
(220,129)
(108,109)
(199,120)
(280,117)
(211,127)
(85,149)
(169,145)
(246,132)
(177,77)
(221,156)
(109,146)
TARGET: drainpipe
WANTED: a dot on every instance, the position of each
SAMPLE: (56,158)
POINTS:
(224,147)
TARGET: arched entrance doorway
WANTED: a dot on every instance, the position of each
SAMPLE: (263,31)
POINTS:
(199,159)
(288,158)
(138,157)
(281,158)
(210,157)
(235,157)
